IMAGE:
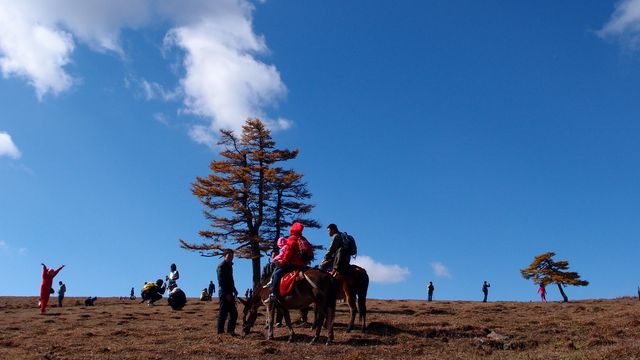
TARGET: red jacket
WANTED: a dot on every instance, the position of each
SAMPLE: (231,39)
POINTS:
(292,254)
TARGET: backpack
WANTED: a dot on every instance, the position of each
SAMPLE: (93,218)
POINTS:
(148,287)
(306,250)
(349,244)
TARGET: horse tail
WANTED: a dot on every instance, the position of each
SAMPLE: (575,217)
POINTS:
(362,299)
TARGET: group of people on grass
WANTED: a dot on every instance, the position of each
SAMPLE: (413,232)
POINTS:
(293,253)
(153,291)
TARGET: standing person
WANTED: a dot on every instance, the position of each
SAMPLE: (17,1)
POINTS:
(430,289)
(45,287)
(543,293)
(339,253)
(132,296)
(485,290)
(212,289)
(227,292)
(173,276)
(62,288)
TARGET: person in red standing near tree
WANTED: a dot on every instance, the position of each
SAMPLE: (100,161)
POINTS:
(543,293)
(45,287)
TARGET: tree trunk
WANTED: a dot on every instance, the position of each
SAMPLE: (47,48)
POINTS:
(255,264)
(564,296)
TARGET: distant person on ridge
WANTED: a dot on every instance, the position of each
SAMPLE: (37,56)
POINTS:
(45,287)
(173,276)
(132,296)
(212,289)
(62,289)
(177,298)
(291,259)
(430,289)
(339,254)
(485,290)
(153,291)
(90,301)
(543,293)
(204,295)
(227,293)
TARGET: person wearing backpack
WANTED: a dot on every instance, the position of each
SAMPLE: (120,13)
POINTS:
(342,247)
(291,258)
(153,291)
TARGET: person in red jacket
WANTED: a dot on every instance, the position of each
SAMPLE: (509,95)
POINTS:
(45,287)
(291,259)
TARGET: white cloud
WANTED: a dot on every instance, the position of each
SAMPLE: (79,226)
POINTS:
(624,23)
(153,90)
(5,249)
(202,135)
(31,49)
(161,118)
(223,82)
(7,147)
(440,270)
(382,273)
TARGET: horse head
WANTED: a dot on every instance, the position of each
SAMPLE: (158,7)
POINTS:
(250,312)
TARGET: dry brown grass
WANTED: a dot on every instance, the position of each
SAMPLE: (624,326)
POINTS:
(398,329)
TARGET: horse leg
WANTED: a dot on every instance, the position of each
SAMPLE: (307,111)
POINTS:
(271,314)
(331,313)
(287,320)
(351,300)
(362,310)
(320,310)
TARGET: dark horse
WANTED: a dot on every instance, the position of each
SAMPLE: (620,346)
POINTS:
(354,283)
(318,288)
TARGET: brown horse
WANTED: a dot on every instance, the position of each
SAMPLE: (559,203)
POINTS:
(318,287)
(354,283)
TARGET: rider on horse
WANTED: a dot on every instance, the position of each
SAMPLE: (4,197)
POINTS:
(291,258)
(338,255)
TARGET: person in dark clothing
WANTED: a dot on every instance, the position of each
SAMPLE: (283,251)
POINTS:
(212,288)
(90,301)
(485,290)
(177,298)
(337,256)
(62,289)
(153,291)
(132,296)
(227,293)
(430,289)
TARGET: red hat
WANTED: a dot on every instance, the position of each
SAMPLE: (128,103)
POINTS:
(296,229)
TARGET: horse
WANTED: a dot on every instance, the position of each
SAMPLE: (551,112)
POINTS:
(318,287)
(351,284)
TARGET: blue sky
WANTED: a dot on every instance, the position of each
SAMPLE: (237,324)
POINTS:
(455,140)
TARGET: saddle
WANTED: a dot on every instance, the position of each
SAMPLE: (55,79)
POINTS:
(289,280)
